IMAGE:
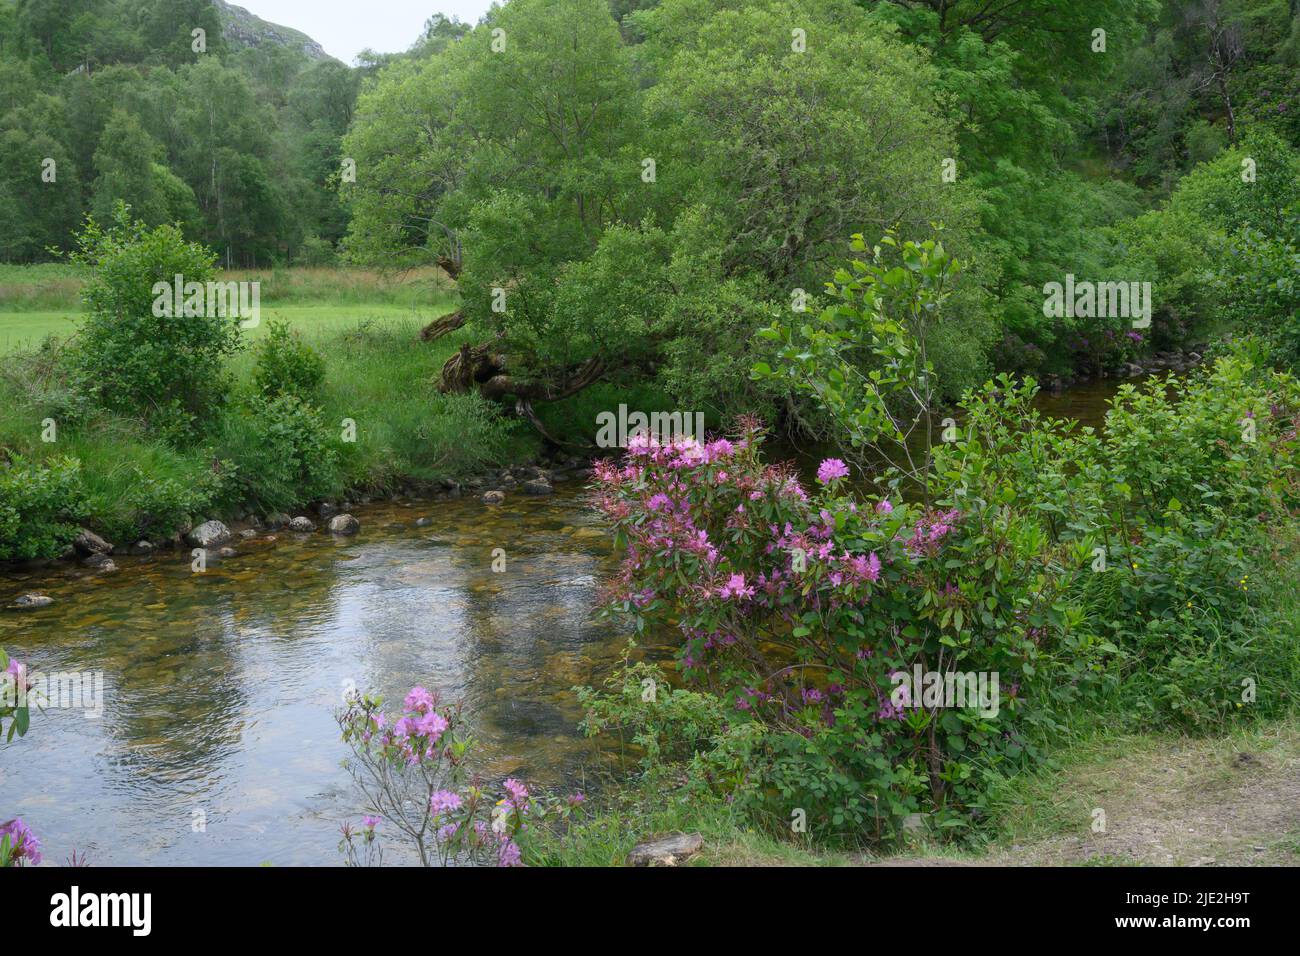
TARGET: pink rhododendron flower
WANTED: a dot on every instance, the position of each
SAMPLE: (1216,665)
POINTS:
(832,469)
(419,700)
(444,801)
(735,588)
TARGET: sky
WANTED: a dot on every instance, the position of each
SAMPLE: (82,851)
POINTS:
(346,27)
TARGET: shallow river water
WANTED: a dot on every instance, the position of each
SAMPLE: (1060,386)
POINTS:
(220,687)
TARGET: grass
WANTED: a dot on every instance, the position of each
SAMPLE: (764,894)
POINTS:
(42,300)
(379,376)
(655,806)
(1230,799)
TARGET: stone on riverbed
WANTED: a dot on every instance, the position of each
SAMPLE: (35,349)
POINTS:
(538,486)
(208,534)
(493,497)
(302,523)
(100,562)
(344,524)
(32,600)
(667,850)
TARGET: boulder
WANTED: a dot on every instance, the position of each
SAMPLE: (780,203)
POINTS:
(667,850)
(277,520)
(493,497)
(207,534)
(87,543)
(538,486)
(344,524)
(142,547)
(302,523)
(32,600)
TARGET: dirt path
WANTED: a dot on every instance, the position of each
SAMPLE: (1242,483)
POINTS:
(1231,801)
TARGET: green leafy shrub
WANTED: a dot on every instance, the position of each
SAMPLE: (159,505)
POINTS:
(167,369)
(286,365)
(641,707)
(151,499)
(281,451)
(1174,508)
(40,504)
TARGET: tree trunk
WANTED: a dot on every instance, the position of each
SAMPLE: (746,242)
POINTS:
(442,326)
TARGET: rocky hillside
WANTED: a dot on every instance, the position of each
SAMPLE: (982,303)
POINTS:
(243,29)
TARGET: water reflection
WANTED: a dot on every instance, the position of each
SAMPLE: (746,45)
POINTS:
(221,686)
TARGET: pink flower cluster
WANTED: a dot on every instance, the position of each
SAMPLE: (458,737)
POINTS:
(929,532)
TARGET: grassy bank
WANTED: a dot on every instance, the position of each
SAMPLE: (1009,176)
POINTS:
(378,376)
(1229,800)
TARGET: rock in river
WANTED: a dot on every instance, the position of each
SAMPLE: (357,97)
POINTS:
(493,497)
(344,524)
(302,523)
(87,543)
(538,486)
(32,600)
(208,534)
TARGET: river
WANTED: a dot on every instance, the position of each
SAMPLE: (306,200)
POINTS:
(217,742)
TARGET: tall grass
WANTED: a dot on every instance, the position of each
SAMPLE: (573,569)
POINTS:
(54,286)
(381,377)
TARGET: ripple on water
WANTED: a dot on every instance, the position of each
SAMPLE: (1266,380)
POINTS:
(220,687)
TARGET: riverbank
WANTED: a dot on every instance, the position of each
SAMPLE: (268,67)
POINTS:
(1230,800)
(377,426)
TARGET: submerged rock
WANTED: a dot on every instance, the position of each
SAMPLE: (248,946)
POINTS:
(344,524)
(207,534)
(538,486)
(667,850)
(302,523)
(32,600)
(493,497)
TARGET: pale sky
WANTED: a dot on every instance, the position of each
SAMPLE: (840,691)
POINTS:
(346,27)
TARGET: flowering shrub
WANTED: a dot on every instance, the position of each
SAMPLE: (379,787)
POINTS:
(412,770)
(18,845)
(19,717)
(802,608)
